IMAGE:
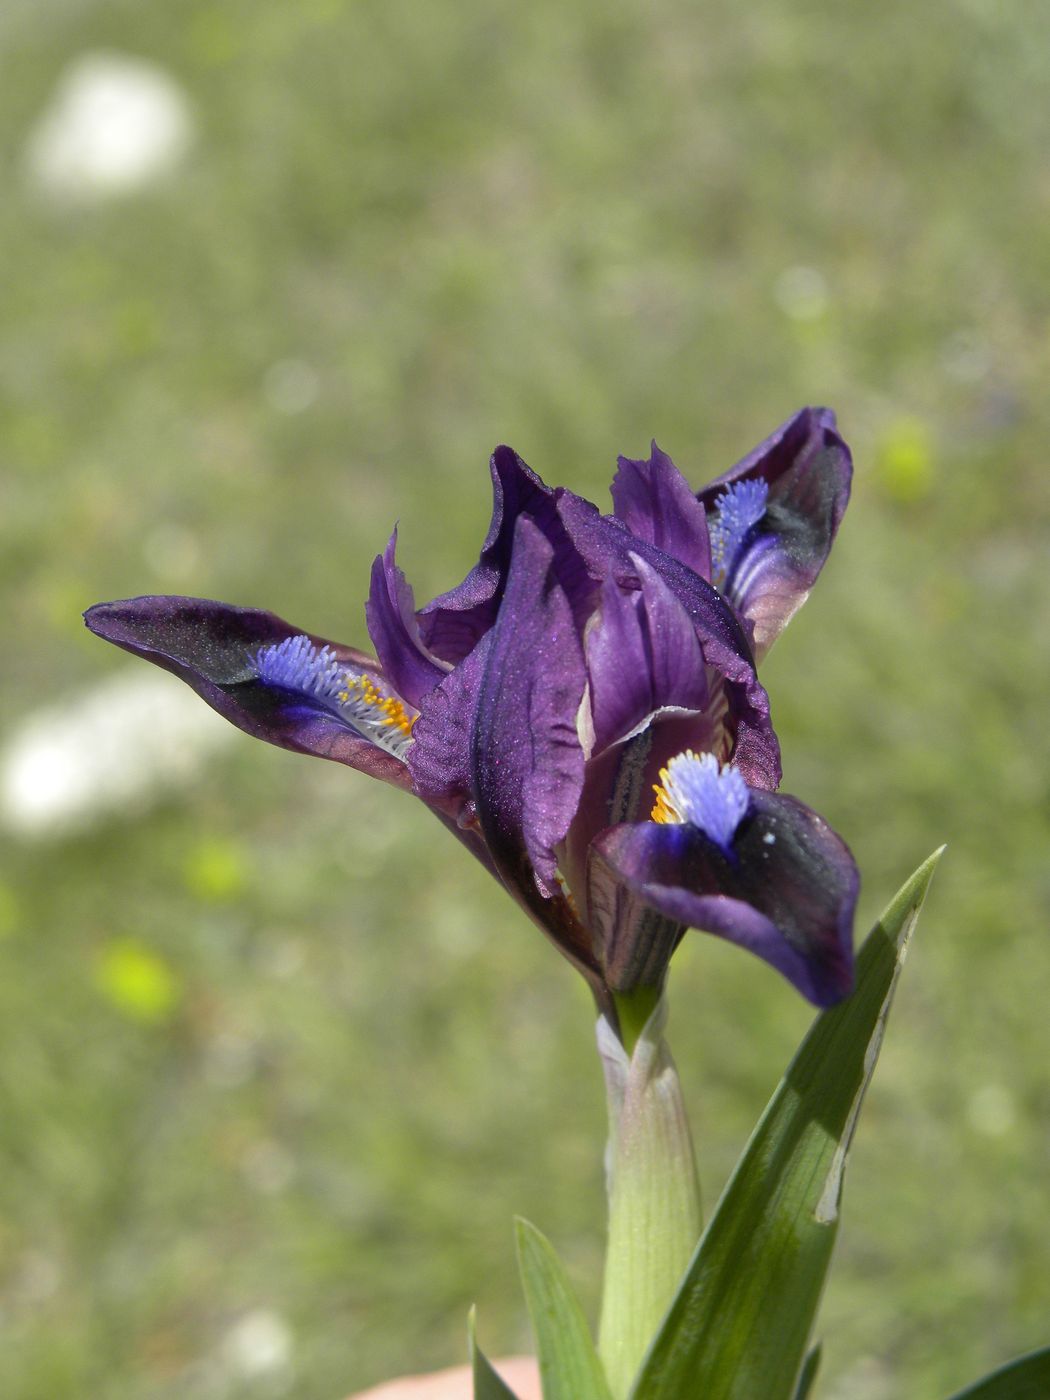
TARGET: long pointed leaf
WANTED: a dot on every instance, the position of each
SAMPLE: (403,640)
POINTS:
(809,1374)
(487,1384)
(569,1365)
(1027,1378)
(739,1325)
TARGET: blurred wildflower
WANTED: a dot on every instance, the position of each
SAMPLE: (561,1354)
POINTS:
(905,461)
(258,1345)
(585,663)
(115,124)
(137,980)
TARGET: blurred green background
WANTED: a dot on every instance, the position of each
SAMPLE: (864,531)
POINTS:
(277,1062)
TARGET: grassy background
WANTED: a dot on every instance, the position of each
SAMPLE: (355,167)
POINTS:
(570,228)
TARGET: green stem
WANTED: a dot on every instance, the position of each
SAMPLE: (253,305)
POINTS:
(634,1011)
(654,1197)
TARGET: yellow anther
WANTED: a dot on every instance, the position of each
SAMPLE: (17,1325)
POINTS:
(394,715)
(662,809)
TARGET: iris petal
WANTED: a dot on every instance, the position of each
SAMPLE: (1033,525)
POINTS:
(452,624)
(214,648)
(642,654)
(395,633)
(786,889)
(527,758)
(657,504)
(808,469)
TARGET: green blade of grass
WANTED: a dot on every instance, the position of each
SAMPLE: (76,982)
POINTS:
(739,1325)
(487,1384)
(808,1374)
(1027,1378)
(569,1365)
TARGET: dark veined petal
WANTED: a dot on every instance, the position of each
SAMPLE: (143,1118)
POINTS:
(392,625)
(767,554)
(786,888)
(657,504)
(215,649)
(527,760)
(633,941)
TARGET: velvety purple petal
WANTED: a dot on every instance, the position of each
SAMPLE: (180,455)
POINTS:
(808,469)
(527,759)
(787,890)
(657,504)
(390,612)
(441,759)
(451,625)
(607,548)
(642,654)
(211,647)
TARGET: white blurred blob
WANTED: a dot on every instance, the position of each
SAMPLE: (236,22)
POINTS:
(113,749)
(992,1111)
(291,386)
(258,1345)
(114,125)
(802,293)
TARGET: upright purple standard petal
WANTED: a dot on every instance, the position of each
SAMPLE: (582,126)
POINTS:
(657,504)
(285,699)
(606,548)
(441,759)
(394,631)
(451,625)
(785,887)
(768,550)
(527,758)
(643,654)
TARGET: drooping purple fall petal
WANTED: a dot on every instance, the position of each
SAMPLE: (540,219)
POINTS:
(785,889)
(215,649)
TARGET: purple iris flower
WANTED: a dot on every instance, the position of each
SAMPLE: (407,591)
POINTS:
(582,711)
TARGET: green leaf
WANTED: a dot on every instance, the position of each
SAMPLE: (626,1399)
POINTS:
(739,1325)
(1027,1378)
(809,1374)
(569,1365)
(487,1384)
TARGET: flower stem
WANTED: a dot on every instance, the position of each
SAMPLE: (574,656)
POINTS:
(654,1196)
(634,1012)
